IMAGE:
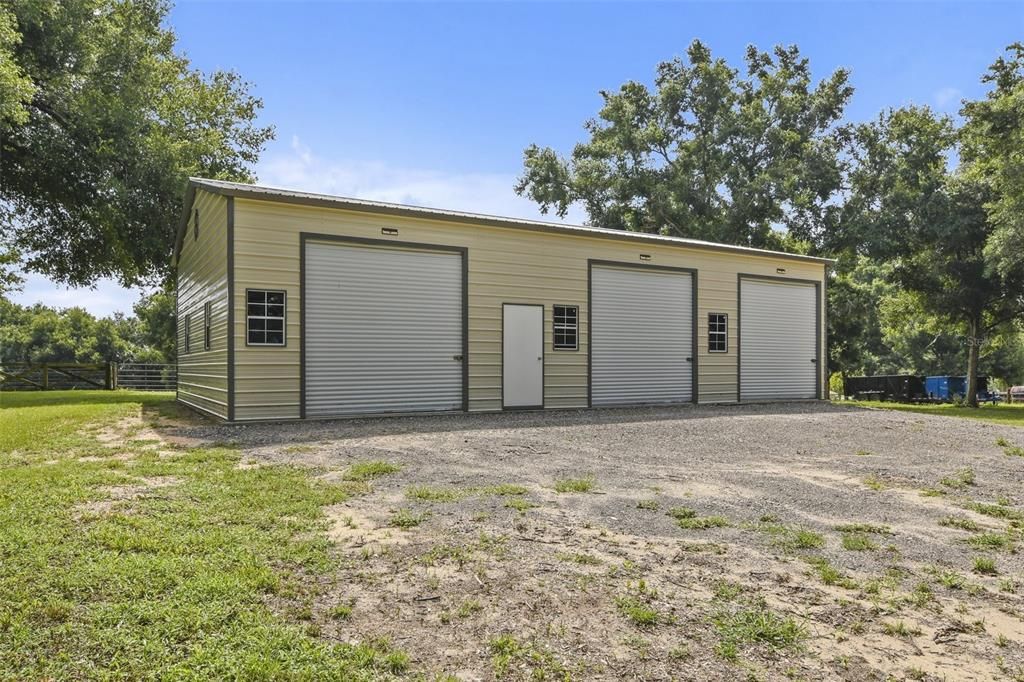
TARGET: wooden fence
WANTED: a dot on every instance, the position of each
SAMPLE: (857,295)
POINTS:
(21,376)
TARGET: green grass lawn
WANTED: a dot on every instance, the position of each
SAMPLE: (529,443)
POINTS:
(134,560)
(1011,415)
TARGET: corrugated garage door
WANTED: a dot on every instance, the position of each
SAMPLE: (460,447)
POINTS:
(778,340)
(383,329)
(641,336)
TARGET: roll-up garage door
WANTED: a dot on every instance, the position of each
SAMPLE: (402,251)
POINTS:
(778,340)
(383,329)
(641,336)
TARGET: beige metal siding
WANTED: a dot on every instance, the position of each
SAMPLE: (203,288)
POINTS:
(203,278)
(506,265)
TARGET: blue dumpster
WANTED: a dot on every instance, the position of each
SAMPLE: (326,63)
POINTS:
(952,388)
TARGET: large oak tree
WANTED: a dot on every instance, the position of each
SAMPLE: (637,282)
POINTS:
(710,153)
(101,123)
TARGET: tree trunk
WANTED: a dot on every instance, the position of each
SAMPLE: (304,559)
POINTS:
(973,342)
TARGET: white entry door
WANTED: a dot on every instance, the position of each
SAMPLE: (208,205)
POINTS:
(522,353)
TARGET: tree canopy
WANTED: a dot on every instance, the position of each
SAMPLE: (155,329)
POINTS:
(101,123)
(993,141)
(711,153)
(39,333)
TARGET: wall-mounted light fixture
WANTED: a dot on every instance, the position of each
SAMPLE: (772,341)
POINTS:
(781,271)
(389,230)
(645,256)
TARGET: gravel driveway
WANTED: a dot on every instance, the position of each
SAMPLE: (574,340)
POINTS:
(805,541)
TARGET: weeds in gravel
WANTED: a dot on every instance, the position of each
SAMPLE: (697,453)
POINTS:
(960,480)
(579,558)
(575,485)
(933,492)
(875,482)
(466,609)
(649,505)
(406,519)
(757,624)
(703,522)
(996,511)
(991,540)
(921,595)
(426,493)
(637,612)
(459,554)
(536,663)
(900,629)
(829,574)
(864,528)
(858,542)
(687,519)
(985,565)
(519,504)
(787,538)
(1009,449)
(341,612)
(948,578)
(366,471)
(726,590)
(961,522)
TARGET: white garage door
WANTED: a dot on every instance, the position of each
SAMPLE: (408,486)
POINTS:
(383,329)
(778,340)
(641,336)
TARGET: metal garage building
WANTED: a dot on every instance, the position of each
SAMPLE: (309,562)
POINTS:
(297,305)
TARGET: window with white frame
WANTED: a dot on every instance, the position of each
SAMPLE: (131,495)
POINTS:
(718,333)
(207,325)
(188,333)
(566,327)
(264,317)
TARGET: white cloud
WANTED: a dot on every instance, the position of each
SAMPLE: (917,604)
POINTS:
(106,298)
(944,97)
(301,169)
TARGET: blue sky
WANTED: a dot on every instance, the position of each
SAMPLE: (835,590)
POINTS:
(432,104)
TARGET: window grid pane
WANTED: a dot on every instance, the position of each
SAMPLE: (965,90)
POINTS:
(265,317)
(565,327)
(718,336)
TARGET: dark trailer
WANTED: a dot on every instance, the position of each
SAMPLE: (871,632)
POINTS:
(899,387)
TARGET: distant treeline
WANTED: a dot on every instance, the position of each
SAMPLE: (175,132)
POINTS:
(39,333)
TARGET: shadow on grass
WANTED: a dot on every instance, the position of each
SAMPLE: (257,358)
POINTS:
(12,399)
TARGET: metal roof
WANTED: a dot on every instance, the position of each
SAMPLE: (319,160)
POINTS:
(264,193)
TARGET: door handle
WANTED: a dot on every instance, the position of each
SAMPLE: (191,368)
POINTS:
(689,359)
(814,360)
(456,357)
